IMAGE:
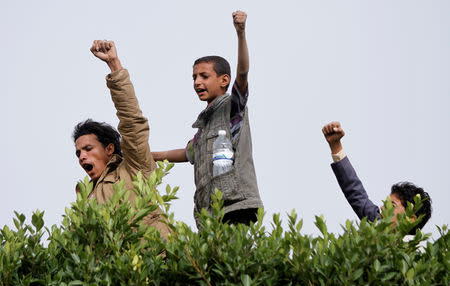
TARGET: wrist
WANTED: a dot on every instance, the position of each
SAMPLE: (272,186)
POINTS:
(339,156)
(335,147)
(240,33)
(114,64)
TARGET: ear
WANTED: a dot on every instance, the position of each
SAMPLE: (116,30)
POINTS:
(224,80)
(109,149)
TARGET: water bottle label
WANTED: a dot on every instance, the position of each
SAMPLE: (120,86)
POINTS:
(222,161)
(223,155)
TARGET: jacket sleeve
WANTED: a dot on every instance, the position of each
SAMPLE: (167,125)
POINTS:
(133,126)
(354,191)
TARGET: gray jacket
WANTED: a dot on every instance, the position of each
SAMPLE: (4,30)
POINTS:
(239,186)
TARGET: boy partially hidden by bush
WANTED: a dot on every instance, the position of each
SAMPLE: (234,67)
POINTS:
(353,189)
(227,112)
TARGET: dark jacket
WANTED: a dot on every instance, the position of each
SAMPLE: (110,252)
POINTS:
(354,190)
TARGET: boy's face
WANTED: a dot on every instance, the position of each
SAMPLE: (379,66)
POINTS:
(207,84)
(398,207)
(92,156)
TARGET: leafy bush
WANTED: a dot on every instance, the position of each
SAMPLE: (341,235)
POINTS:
(106,244)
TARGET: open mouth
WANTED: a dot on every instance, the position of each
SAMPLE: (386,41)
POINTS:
(200,91)
(88,167)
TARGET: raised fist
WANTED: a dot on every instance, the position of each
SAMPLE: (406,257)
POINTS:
(239,18)
(104,50)
(333,133)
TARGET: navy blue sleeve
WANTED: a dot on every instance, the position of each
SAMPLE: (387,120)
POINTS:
(354,191)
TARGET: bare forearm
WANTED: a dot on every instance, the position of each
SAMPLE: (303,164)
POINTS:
(243,61)
(239,20)
(173,156)
(114,65)
(335,147)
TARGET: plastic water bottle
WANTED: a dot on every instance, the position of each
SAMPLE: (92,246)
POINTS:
(222,154)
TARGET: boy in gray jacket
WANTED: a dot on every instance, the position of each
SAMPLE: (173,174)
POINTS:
(227,112)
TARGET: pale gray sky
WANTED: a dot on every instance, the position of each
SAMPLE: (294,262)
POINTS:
(382,68)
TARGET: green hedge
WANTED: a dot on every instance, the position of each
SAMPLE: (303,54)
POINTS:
(106,245)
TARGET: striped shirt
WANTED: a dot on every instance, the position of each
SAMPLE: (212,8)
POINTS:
(238,102)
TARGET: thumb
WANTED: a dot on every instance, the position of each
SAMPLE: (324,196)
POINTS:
(338,130)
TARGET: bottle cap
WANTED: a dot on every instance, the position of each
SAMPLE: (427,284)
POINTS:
(222,133)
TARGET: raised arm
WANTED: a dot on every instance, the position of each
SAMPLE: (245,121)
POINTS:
(133,126)
(346,176)
(239,19)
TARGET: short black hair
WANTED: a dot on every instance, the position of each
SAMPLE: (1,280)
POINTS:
(220,65)
(105,133)
(406,192)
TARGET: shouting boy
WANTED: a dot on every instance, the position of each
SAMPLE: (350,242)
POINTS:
(107,156)
(351,186)
(227,112)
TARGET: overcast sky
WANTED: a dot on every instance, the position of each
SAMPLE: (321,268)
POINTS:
(381,68)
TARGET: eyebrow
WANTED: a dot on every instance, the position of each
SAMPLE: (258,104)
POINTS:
(83,147)
(201,73)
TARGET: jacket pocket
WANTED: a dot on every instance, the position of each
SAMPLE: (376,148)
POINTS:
(210,138)
(228,184)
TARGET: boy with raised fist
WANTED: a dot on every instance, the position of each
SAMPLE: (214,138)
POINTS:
(353,189)
(211,76)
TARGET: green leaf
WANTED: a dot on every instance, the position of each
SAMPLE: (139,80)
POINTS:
(357,273)
(321,225)
(377,265)
(75,258)
(246,280)
(404,267)
(37,220)
(410,274)
(21,217)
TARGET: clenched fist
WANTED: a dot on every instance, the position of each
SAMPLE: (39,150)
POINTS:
(239,18)
(106,51)
(333,134)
